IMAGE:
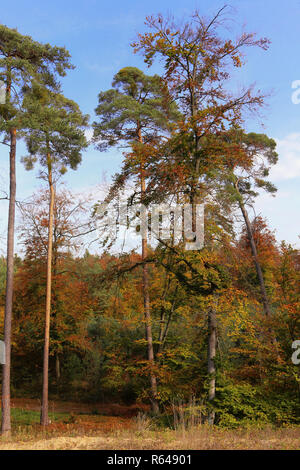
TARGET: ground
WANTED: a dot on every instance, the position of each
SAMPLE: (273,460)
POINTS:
(116,427)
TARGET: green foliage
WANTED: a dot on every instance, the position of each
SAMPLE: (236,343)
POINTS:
(137,102)
(118,352)
(21,417)
(56,130)
(244,404)
(23,64)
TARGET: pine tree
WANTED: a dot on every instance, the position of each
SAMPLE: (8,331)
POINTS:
(137,111)
(56,139)
(22,61)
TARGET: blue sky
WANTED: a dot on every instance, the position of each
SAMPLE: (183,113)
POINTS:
(98,36)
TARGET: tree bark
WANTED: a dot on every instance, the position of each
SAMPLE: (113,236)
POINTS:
(264,296)
(44,410)
(211,367)
(6,422)
(162,313)
(147,313)
(57,367)
(164,332)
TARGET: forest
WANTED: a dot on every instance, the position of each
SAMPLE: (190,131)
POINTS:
(204,336)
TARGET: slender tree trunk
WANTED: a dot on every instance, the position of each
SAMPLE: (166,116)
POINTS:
(147,313)
(54,297)
(153,382)
(211,367)
(264,296)
(44,410)
(57,367)
(6,423)
(162,312)
(164,333)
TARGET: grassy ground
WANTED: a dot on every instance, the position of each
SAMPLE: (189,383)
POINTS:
(92,431)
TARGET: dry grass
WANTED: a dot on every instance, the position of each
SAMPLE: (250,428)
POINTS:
(82,427)
(111,433)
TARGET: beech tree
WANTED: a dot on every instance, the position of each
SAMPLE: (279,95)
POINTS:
(22,61)
(197,58)
(197,61)
(56,139)
(69,302)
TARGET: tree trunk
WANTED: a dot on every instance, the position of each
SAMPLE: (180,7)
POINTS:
(264,297)
(57,367)
(211,367)
(162,313)
(153,383)
(6,423)
(44,410)
(147,313)
(164,332)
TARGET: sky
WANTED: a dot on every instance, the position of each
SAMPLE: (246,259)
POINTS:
(98,35)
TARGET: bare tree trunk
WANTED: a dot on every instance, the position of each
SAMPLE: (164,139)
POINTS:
(211,367)
(147,313)
(153,383)
(264,297)
(54,296)
(164,332)
(6,422)
(57,367)
(162,313)
(44,410)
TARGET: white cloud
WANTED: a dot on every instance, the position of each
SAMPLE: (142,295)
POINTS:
(288,166)
(89,134)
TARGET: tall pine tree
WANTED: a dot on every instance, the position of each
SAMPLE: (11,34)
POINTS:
(56,139)
(137,111)
(22,61)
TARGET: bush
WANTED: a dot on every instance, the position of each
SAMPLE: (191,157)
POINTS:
(243,404)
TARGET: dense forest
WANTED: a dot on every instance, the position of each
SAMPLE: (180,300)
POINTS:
(160,325)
